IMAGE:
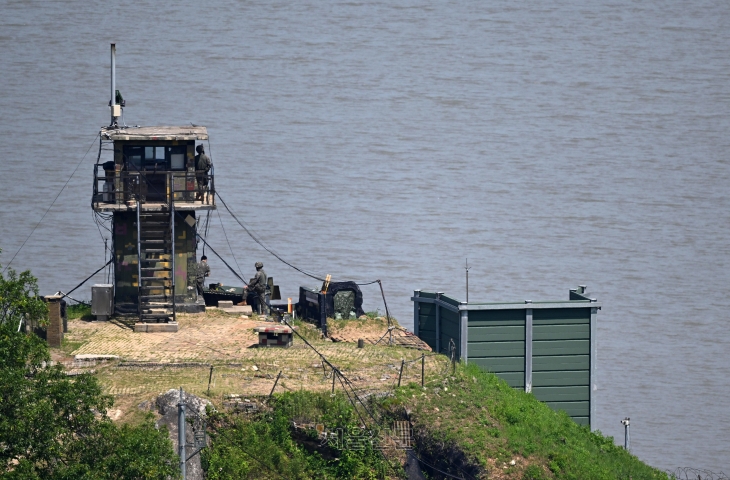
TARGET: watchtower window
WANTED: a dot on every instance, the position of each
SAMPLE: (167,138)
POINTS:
(157,158)
(154,158)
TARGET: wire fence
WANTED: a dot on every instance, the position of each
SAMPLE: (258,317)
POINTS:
(688,473)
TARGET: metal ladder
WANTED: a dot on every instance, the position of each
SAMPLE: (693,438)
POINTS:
(156,265)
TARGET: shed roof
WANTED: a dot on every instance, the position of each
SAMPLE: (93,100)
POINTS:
(156,133)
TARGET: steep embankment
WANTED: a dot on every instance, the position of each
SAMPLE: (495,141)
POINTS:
(466,423)
(476,424)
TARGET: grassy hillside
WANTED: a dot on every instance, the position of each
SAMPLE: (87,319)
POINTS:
(476,422)
(472,426)
(466,423)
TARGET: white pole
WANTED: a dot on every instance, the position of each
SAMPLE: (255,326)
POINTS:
(113,97)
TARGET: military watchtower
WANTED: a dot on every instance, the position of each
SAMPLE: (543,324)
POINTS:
(154,196)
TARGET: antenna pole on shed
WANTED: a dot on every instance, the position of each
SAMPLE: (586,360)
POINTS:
(113,98)
(467,267)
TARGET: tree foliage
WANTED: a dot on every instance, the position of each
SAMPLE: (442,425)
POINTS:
(19,299)
(55,426)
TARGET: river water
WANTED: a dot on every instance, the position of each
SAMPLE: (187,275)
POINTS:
(552,144)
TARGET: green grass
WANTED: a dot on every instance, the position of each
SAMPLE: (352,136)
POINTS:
(306,330)
(68,346)
(266,445)
(467,423)
(79,311)
(492,424)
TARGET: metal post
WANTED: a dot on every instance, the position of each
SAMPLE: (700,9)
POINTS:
(210,377)
(528,348)
(400,374)
(416,310)
(113,97)
(593,367)
(139,261)
(627,438)
(423,369)
(181,433)
(387,313)
(466,267)
(275,382)
(172,258)
(464,333)
(438,321)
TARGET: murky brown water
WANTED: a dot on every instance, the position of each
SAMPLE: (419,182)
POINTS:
(552,145)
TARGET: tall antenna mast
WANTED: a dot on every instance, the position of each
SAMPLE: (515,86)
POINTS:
(467,267)
(113,98)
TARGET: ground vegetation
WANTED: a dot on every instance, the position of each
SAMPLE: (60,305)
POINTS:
(54,425)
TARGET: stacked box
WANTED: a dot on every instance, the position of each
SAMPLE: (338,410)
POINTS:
(275,336)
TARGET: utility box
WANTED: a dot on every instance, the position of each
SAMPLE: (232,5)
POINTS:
(102,301)
(275,336)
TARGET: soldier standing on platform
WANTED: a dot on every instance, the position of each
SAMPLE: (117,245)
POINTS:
(203,271)
(202,167)
(258,287)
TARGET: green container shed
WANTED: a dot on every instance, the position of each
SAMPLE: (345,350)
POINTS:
(546,348)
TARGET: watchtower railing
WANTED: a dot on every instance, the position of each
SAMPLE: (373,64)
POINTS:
(151,186)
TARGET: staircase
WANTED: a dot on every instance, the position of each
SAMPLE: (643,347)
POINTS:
(155,233)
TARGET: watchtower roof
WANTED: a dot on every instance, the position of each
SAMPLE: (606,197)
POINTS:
(156,133)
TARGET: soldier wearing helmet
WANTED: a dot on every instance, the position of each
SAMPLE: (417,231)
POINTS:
(202,271)
(202,167)
(258,287)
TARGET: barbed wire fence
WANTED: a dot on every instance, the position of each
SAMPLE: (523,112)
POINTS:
(688,473)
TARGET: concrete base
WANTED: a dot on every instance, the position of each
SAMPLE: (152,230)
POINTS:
(171,327)
(240,309)
(190,307)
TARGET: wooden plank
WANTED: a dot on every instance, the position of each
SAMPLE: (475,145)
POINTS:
(562,332)
(561,394)
(561,316)
(574,409)
(449,328)
(513,379)
(427,331)
(495,323)
(496,334)
(449,316)
(560,378)
(560,363)
(493,317)
(561,347)
(582,420)
(427,322)
(499,364)
(449,300)
(496,349)
(427,309)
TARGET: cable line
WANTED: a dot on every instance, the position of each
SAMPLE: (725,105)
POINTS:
(88,278)
(51,205)
(255,239)
(259,242)
(229,243)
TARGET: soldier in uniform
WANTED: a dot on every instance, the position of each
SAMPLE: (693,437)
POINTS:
(202,167)
(203,271)
(258,287)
